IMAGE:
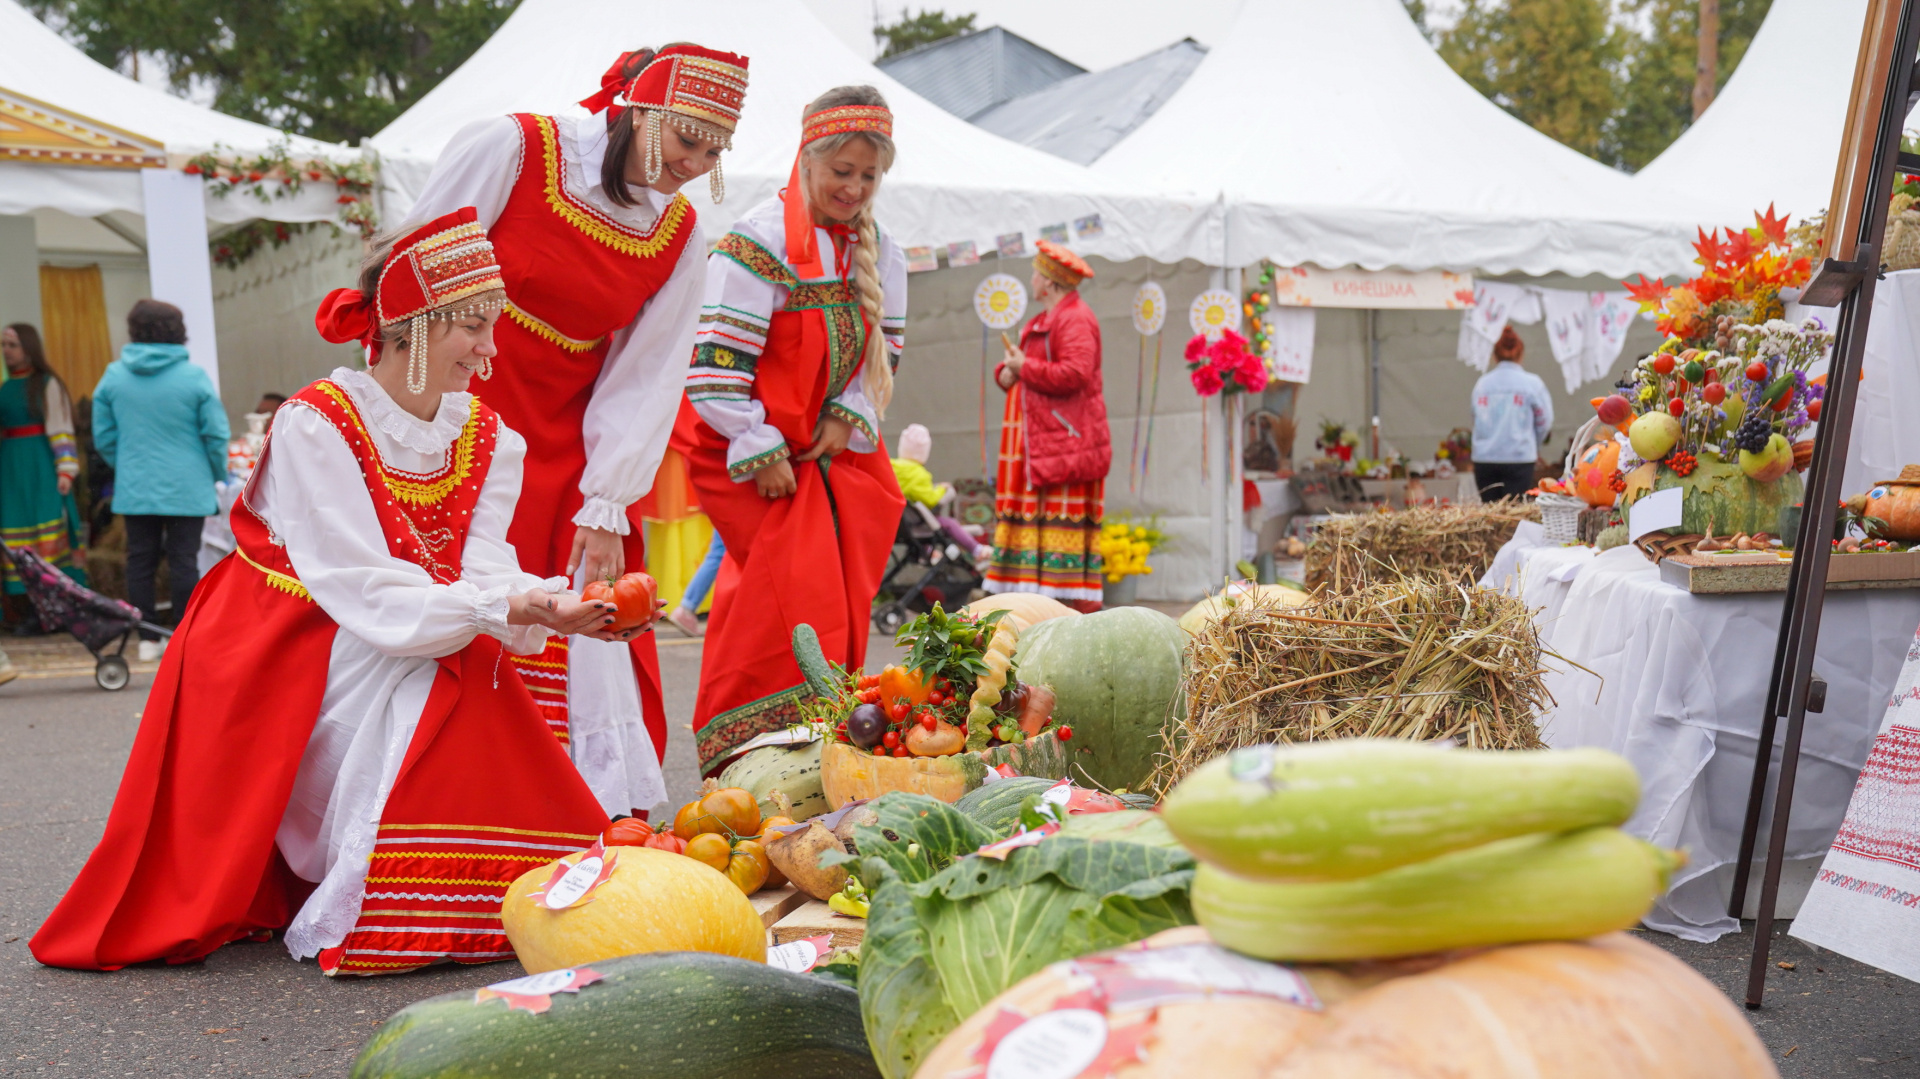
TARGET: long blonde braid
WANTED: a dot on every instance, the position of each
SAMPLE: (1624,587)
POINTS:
(876,380)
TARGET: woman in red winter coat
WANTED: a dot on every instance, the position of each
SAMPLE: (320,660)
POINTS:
(1054,444)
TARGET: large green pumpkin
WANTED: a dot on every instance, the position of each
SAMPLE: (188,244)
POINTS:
(1116,677)
(1723,497)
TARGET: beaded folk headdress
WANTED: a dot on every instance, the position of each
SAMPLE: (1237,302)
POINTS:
(444,269)
(700,91)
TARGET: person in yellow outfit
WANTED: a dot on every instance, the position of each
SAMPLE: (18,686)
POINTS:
(916,483)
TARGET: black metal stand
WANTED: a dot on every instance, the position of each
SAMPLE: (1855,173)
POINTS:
(1794,690)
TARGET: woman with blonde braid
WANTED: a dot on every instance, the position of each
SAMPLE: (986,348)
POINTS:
(792,370)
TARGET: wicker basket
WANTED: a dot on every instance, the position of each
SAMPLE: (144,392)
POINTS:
(1902,248)
(1560,517)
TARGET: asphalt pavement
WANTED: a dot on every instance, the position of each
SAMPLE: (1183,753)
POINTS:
(250,1010)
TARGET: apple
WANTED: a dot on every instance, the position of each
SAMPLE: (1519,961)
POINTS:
(1771,462)
(1613,410)
(1653,435)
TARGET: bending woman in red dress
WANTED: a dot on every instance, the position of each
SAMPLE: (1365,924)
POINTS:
(602,257)
(332,745)
(806,304)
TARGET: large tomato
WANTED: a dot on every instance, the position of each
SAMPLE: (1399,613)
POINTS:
(744,861)
(728,810)
(633,596)
(627,832)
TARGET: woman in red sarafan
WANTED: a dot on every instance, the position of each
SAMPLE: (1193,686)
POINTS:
(805,305)
(379,797)
(602,259)
(1055,448)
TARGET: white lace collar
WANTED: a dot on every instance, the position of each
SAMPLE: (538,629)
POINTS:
(412,432)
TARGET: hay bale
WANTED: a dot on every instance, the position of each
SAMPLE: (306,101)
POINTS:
(1415,658)
(1455,543)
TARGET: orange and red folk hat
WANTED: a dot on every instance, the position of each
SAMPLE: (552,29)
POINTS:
(1059,265)
(437,268)
(700,89)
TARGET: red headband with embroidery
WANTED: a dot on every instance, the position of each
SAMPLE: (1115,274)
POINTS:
(436,267)
(802,253)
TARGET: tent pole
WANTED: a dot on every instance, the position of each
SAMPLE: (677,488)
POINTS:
(1373,379)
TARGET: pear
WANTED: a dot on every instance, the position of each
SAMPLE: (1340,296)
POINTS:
(1653,435)
(1771,462)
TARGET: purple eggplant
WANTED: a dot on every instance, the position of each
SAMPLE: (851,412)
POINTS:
(866,726)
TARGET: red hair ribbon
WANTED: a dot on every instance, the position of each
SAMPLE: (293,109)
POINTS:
(612,82)
(345,315)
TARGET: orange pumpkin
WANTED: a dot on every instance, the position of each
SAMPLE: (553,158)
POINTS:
(1897,502)
(1593,473)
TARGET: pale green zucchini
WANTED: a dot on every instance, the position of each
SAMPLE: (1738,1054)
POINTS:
(1349,808)
(1539,887)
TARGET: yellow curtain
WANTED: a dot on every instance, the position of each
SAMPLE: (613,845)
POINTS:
(674,551)
(73,323)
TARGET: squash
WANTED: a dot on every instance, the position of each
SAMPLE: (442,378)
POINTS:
(1024,609)
(1593,473)
(1722,499)
(1208,611)
(850,774)
(653,902)
(791,770)
(660,1016)
(1602,1008)
(1116,679)
(1897,502)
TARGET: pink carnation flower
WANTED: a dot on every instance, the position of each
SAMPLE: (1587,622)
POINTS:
(1206,381)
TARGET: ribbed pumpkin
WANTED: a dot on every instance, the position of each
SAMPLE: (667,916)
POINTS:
(1598,1009)
(1116,683)
(1593,473)
(1722,497)
(1897,502)
(654,902)
(1024,609)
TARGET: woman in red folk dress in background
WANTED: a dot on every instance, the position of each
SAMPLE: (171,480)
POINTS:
(602,257)
(329,746)
(806,304)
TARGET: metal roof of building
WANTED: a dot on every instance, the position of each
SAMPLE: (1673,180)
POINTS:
(1080,118)
(970,73)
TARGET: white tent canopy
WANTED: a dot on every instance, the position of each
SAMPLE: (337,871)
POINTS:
(952,181)
(1335,135)
(1772,136)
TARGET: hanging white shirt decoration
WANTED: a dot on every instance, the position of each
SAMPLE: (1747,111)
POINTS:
(1290,342)
(1149,309)
(1611,315)
(1000,301)
(1567,314)
(1213,312)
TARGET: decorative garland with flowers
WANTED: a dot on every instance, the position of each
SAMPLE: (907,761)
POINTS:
(275,175)
(1259,301)
(1224,365)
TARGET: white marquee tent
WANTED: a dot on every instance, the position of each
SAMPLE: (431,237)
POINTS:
(953,182)
(49,85)
(1334,134)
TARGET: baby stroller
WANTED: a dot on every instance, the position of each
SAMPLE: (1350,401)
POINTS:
(93,619)
(926,567)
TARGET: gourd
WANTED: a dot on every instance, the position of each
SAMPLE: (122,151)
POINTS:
(662,1016)
(1898,504)
(1116,679)
(1535,887)
(1024,609)
(793,771)
(653,902)
(1214,607)
(848,774)
(1350,807)
(980,714)
(1603,1008)
(1722,499)
(1593,473)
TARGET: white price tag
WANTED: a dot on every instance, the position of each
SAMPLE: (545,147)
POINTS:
(537,985)
(567,891)
(1052,1045)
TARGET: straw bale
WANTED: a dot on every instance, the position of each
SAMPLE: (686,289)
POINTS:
(1455,543)
(1414,658)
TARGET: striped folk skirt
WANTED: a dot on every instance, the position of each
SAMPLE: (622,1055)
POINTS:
(1047,539)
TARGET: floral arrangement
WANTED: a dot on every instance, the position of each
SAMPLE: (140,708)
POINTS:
(275,175)
(1124,547)
(1741,279)
(1456,448)
(1223,364)
(1337,440)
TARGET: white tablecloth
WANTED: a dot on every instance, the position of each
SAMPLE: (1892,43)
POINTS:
(1682,681)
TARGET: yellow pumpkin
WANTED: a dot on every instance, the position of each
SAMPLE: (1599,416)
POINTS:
(1208,611)
(1593,473)
(1596,1009)
(655,901)
(1024,609)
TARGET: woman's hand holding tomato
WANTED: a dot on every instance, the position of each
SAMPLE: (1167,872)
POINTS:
(634,598)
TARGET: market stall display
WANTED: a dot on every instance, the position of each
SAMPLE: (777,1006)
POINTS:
(1456,542)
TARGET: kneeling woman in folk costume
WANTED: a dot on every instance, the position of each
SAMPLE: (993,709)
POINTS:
(335,744)
(603,257)
(793,367)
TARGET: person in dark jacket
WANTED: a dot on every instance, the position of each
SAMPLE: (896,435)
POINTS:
(1055,448)
(158,422)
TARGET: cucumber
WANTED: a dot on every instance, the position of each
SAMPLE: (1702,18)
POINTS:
(1352,807)
(812,661)
(663,1015)
(1538,887)
(996,805)
(792,769)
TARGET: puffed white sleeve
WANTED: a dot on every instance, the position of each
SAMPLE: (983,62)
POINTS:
(478,169)
(726,356)
(630,416)
(314,499)
(489,561)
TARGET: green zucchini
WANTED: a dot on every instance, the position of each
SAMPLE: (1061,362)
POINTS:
(1538,887)
(1352,807)
(794,770)
(664,1015)
(812,661)
(996,805)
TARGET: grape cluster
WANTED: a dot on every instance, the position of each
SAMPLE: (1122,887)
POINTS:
(1753,432)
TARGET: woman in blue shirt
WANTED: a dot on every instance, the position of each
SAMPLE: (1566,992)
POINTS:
(1512,415)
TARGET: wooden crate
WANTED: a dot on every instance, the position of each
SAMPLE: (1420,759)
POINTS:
(773,904)
(816,918)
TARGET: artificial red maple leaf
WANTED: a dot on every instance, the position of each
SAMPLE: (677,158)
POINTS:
(1739,248)
(1708,246)
(1772,227)
(1647,293)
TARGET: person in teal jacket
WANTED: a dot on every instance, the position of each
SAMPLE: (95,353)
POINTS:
(158,421)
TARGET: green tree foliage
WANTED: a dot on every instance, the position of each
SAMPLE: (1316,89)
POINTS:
(916,29)
(1656,95)
(338,70)
(1551,63)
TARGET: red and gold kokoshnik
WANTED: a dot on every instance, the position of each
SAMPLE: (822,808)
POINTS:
(694,84)
(847,119)
(447,261)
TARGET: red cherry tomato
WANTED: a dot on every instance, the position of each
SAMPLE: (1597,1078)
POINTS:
(898,712)
(929,720)
(880,751)
(1756,372)
(1714,393)
(1676,406)
(1066,734)
(1663,363)
(936,698)
(901,752)
(891,739)
(1813,409)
